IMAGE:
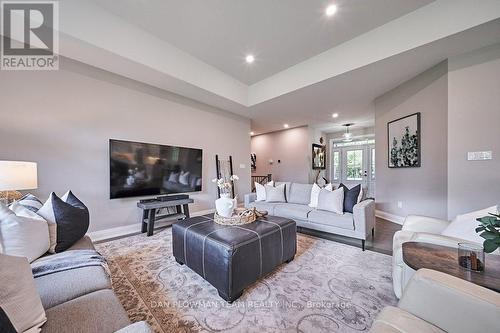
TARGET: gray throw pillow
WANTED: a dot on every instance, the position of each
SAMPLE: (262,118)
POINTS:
(275,194)
(332,201)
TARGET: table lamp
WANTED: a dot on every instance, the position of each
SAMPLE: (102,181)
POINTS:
(17,176)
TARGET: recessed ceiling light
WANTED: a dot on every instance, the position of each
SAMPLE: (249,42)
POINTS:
(285,125)
(330,10)
(249,59)
(252,133)
(335,115)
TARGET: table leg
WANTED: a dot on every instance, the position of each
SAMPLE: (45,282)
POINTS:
(185,208)
(151,221)
(144,225)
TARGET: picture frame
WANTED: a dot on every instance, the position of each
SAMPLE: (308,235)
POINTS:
(318,157)
(404,142)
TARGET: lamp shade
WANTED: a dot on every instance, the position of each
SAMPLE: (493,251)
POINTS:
(18,175)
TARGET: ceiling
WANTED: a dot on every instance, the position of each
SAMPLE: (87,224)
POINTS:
(280,33)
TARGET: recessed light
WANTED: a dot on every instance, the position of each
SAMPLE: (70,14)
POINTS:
(249,59)
(252,133)
(335,115)
(330,10)
(285,125)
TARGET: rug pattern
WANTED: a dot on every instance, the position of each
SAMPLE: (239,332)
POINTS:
(329,287)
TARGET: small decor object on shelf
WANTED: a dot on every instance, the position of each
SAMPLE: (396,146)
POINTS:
(490,231)
(404,141)
(471,256)
(225,205)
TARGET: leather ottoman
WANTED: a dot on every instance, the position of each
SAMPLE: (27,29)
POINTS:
(233,257)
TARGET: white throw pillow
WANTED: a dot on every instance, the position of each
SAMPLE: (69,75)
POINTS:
(332,201)
(174,177)
(184,178)
(19,297)
(22,232)
(360,196)
(464,226)
(315,194)
(275,194)
(260,190)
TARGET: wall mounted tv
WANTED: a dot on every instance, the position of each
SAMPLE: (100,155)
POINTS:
(142,169)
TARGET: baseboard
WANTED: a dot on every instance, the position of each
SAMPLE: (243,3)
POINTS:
(390,217)
(126,230)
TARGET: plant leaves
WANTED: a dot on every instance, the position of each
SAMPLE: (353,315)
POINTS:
(489,235)
(490,245)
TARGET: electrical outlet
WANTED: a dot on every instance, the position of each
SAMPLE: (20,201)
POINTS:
(400,204)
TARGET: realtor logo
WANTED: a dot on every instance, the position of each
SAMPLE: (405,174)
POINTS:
(30,39)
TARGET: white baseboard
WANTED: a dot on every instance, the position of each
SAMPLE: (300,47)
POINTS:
(390,217)
(126,230)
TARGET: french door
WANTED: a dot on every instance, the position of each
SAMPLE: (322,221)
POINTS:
(353,165)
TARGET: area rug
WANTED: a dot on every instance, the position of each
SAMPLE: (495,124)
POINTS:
(329,287)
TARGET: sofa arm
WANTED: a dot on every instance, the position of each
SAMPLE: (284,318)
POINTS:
(364,217)
(418,223)
(450,303)
(139,327)
(249,198)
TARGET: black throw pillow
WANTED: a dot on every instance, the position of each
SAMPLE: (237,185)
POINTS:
(350,197)
(68,220)
(5,323)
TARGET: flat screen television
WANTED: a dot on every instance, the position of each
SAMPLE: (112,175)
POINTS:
(143,169)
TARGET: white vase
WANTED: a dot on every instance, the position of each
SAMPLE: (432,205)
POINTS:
(225,205)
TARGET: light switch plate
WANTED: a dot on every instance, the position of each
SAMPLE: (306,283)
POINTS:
(479,155)
(242,166)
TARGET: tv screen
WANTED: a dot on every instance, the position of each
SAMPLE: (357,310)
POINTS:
(142,169)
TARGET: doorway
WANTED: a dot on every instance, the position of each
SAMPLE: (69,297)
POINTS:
(353,163)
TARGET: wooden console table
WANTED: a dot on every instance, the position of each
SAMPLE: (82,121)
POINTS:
(445,259)
(149,211)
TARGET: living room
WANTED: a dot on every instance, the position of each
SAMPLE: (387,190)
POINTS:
(306,166)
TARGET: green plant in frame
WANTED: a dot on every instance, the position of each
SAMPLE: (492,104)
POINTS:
(489,229)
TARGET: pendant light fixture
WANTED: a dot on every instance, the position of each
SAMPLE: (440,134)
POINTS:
(347,135)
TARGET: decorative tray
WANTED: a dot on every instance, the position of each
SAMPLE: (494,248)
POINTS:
(240,216)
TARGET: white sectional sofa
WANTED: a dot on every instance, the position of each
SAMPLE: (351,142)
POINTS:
(358,224)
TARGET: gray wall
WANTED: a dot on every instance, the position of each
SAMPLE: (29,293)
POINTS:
(64,119)
(291,147)
(473,125)
(421,190)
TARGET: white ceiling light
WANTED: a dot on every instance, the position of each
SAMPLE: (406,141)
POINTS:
(347,135)
(335,115)
(331,10)
(285,125)
(249,59)
(252,133)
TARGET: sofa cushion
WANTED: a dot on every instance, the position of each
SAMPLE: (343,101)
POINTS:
(262,205)
(99,311)
(60,287)
(300,193)
(332,201)
(395,320)
(293,211)
(324,217)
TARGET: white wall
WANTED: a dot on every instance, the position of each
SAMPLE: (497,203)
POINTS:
(473,125)
(64,119)
(421,190)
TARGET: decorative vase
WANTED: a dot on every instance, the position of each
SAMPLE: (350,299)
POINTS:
(225,205)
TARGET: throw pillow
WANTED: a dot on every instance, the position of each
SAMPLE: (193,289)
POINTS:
(19,297)
(174,177)
(184,178)
(464,226)
(332,201)
(31,202)
(315,194)
(260,190)
(275,194)
(350,197)
(5,323)
(68,220)
(22,232)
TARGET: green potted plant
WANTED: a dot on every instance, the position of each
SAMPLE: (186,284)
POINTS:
(490,231)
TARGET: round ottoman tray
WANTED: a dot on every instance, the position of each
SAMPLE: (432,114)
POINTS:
(240,216)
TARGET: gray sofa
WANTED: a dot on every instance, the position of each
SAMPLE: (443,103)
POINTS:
(81,300)
(358,224)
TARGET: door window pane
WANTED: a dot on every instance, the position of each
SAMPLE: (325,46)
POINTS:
(336,165)
(373,164)
(354,164)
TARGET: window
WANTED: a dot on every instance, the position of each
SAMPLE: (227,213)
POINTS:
(354,164)
(373,164)
(336,165)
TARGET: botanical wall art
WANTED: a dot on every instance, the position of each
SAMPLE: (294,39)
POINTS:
(318,157)
(404,142)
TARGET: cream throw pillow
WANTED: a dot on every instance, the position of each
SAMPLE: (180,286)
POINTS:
(315,194)
(18,295)
(260,190)
(332,201)
(275,194)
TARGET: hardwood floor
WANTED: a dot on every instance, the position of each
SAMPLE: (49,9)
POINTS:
(382,242)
